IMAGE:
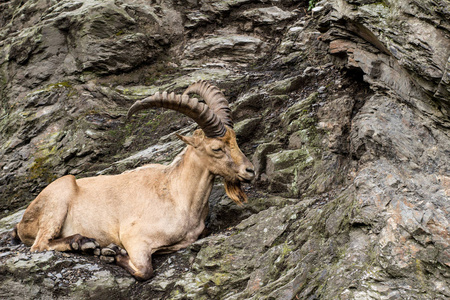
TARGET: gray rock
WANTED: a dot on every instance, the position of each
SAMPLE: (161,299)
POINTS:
(267,15)
(8,223)
(226,48)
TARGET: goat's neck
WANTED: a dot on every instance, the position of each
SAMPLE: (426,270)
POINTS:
(194,182)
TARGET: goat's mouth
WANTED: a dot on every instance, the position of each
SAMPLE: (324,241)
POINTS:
(244,179)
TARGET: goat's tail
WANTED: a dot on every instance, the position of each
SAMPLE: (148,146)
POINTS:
(15,240)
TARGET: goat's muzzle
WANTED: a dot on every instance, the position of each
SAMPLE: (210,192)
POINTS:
(248,177)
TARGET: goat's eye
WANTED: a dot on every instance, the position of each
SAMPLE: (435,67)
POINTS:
(217,150)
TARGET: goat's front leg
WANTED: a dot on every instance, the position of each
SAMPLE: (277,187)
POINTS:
(138,263)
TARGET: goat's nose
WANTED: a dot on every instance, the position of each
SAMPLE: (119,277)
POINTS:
(250,173)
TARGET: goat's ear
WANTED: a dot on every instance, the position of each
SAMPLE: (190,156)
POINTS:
(194,141)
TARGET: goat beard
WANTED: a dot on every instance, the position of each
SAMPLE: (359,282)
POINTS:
(235,192)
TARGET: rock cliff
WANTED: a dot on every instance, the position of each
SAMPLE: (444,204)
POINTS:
(344,108)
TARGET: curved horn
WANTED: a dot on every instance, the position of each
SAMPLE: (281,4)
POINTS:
(200,112)
(214,98)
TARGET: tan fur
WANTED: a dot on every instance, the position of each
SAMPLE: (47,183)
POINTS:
(151,209)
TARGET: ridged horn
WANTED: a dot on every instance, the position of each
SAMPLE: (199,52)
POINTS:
(200,112)
(214,98)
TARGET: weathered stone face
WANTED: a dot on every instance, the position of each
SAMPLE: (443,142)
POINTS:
(344,110)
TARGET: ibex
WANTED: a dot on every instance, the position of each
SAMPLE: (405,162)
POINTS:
(154,208)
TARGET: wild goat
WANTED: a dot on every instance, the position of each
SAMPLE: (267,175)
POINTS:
(155,208)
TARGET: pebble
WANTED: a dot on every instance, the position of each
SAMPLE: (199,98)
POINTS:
(5,253)
(309,70)
(317,9)
(322,89)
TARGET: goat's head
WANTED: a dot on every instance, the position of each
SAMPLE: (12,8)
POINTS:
(222,156)
(216,140)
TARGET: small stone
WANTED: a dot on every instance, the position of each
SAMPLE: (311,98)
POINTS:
(309,71)
(322,89)
(48,282)
(317,9)
(5,254)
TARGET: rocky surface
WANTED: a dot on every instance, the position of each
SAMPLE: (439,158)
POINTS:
(344,110)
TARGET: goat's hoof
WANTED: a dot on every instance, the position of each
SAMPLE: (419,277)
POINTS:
(108,252)
(74,246)
(107,259)
(92,245)
(113,250)
(36,250)
(81,243)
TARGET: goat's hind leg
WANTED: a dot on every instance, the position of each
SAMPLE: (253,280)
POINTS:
(49,228)
(46,215)
(75,242)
